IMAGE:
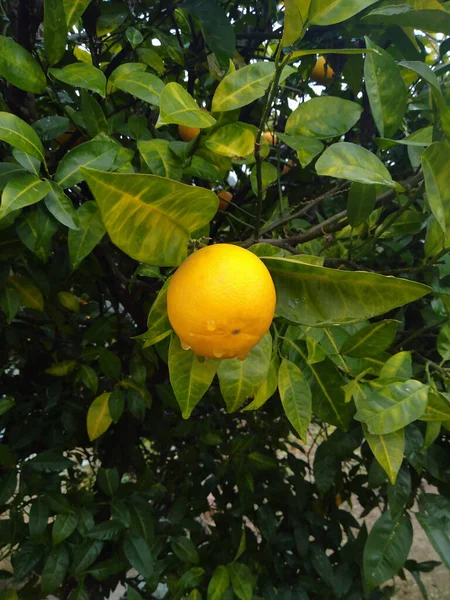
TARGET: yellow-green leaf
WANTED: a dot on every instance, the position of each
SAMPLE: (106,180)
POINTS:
(329,12)
(134,79)
(324,117)
(178,106)
(190,379)
(55,30)
(73,10)
(20,68)
(98,417)
(83,76)
(89,233)
(235,139)
(240,379)
(22,191)
(318,296)
(63,368)
(295,395)
(388,449)
(295,16)
(30,295)
(20,135)
(268,386)
(160,159)
(150,217)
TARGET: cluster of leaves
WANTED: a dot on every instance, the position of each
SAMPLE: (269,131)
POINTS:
(106,477)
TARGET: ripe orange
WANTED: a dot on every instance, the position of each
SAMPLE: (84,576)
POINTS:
(322,72)
(221,301)
(225,199)
(188,133)
(271,138)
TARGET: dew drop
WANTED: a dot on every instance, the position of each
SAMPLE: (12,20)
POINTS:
(242,357)
(211,325)
(185,346)
(218,353)
(201,359)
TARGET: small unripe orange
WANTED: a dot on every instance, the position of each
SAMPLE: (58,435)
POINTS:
(271,138)
(188,133)
(225,199)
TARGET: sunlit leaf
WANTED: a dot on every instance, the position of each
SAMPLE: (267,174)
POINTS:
(133,79)
(178,106)
(98,417)
(388,449)
(83,76)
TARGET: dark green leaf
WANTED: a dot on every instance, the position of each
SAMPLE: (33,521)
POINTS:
(138,554)
(242,580)
(63,526)
(84,555)
(55,569)
(360,203)
(49,462)
(295,395)
(184,548)
(399,493)
(371,340)
(89,233)
(96,154)
(93,115)
(108,480)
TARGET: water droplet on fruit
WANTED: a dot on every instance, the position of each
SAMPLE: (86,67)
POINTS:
(242,357)
(211,325)
(218,353)
(201,359)
(185,346)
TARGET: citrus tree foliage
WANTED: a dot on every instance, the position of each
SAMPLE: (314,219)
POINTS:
(124,458)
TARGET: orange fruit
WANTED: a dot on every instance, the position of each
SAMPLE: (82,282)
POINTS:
(322,72)
(225,199)
(188,133)
(221,301)
(287,168)
(271,138)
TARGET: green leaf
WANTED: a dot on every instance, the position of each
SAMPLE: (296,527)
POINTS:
(355,163)
(116,404)
(371,340)
(108,530)
(329,12)
(134,36)
(138,554)
(360,203)
(36,230)
(8,485)
(160,159)
(89,377)
(55,30)
(190,379)
(98,417)
(323,117)
(438,407)
(386,90)
(30,295)
(428,16)
(151,58)
(93,115)
(82,75)
(268,387)
(318,296)
(55,569)
(242,580)
(184,548)
(133,79)
(49,128)
(62,368)
(108,567)
(241,87)
(20,135)
(9,302)
(5,404)
(240,379)
(28,162)
(218,583)
(295,17)
(326,386)
(178,106)
(79,593)
(437,536)
(110,364)
(393,406)
(399,365)
(436,167)
(20,68)
(150,217)
(61,206)
(9,170)
(39,514)
(73,10)
(69,301)
(90,232)
(307,148)
(386,548)
(63,526)
(295,395)
(108,479)
(216,28)
(132,594)
(235,139)
(399,493)
(97,154)
(269,174)
(49,462)
(191,579)
(22,191)
(84,555)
